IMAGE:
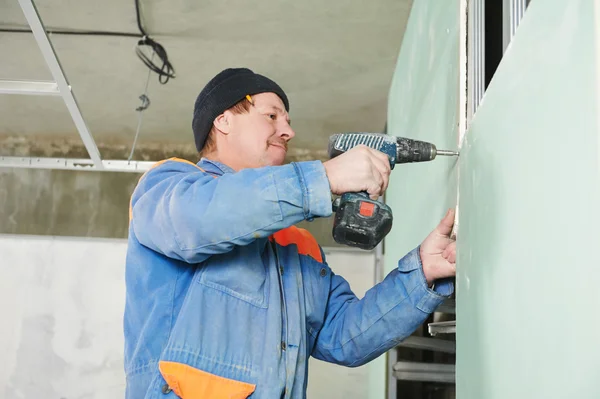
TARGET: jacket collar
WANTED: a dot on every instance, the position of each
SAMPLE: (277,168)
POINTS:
(214,167)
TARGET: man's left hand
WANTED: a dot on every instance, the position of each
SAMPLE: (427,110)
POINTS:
(438,251)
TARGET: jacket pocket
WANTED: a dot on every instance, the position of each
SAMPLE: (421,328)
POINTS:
(240,273)
(190,383)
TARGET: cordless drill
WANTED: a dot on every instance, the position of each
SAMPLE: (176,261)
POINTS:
(360,221)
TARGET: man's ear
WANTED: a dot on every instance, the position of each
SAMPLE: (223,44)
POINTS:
(221,122)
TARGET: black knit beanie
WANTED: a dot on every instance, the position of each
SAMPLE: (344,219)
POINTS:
(223,92)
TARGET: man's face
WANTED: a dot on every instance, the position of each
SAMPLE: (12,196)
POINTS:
(260,137)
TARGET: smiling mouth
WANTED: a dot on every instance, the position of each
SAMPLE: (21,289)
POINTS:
(280,146)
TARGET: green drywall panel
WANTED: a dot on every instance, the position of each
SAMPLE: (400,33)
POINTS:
(528,268)
(423,104)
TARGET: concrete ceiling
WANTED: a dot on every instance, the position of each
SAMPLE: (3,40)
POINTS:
(334,59)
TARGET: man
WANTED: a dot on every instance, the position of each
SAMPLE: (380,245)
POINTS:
(225,298)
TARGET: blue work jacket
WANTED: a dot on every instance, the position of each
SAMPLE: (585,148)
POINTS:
(227,299)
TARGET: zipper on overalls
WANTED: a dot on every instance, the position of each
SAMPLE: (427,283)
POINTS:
(283,306)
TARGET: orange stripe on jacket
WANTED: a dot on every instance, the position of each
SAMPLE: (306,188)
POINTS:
(307,245)
(189,383)
(154,166)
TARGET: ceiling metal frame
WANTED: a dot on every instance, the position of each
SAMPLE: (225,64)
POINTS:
(59,87)
(75,164)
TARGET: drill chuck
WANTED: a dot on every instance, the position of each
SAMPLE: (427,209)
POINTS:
(414,151)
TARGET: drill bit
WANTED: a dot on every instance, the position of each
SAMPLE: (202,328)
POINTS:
(447,153)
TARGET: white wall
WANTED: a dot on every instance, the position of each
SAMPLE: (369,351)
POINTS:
(61,301)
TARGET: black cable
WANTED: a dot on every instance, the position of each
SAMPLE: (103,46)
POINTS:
(73,32)
(166,71)
(139,18)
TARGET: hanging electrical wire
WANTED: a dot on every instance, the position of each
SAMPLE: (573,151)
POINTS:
(166,70)
(140,110)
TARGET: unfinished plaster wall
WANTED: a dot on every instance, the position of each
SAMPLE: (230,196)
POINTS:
(65,203)
(88,204)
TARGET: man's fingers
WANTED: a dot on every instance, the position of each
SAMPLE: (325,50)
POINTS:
(359,169)
(443,268)
(381,156)
(451,247)
(382,163)
(449,252)
(374,189)
(445,226)
(452,257)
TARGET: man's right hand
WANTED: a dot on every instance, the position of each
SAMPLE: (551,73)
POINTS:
(359,169)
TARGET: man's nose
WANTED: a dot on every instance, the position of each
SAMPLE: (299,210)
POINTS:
(286,132)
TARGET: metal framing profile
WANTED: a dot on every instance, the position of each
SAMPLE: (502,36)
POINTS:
(476,55)
(512,12)
(60,87)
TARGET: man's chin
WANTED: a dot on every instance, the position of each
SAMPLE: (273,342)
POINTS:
(277,156)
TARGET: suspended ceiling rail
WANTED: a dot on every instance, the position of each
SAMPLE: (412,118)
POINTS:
(75,164)
(39,88)
(60,87)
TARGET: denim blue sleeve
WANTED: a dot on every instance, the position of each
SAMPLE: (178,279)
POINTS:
(358,331)
(188,214)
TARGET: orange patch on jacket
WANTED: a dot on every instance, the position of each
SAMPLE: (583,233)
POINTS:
(307,245)
(189,383)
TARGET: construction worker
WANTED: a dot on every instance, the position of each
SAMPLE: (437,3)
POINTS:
(225,297)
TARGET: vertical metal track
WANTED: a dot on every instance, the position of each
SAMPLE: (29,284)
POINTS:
(476,55)
(512,13)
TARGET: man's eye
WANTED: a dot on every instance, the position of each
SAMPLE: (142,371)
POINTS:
(273,116)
